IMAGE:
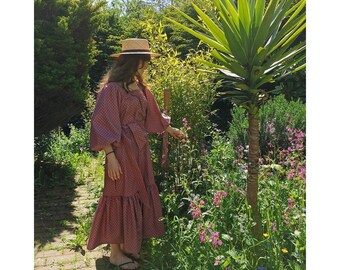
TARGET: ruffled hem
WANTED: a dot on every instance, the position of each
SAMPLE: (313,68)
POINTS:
(126,220)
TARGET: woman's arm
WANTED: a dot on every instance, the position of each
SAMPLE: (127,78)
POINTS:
(113,167)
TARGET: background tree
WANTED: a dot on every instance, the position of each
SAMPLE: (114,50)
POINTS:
(253,46)
(63,53)
(107,41)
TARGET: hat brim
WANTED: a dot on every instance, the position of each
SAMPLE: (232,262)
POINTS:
(149,53)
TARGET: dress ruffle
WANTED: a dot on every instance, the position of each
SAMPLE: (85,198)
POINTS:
(126,220)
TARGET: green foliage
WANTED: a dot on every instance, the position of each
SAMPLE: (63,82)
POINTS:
(60,158)
(212,207)
(294,86)
(182,41)
(63,54)
(107,41)
(253,44)
(274,117)
(191,90)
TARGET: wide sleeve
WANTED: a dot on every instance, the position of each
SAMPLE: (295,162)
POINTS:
(105,122)
(156,122)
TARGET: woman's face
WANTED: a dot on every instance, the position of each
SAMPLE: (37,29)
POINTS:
(142,66)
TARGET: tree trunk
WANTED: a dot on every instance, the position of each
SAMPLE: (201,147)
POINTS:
(253,169)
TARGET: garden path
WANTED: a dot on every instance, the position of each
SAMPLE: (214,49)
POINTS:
(55,212)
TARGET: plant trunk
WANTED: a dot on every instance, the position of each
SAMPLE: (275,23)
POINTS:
(253,169)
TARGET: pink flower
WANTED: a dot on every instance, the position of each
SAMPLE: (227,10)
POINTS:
(229,184)
(215,239)
(218,197)
(202,236)
(290,200)
(302,173)
(271,128)
(272,224)
(196,213)
(195,210)
(291,174)
(185,124)
(217,261)
(202,202)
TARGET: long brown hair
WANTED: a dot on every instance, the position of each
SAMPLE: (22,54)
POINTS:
(125,70)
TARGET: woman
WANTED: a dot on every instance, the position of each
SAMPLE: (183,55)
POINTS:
(125,112)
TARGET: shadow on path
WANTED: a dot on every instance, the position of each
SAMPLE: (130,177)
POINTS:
(54,192)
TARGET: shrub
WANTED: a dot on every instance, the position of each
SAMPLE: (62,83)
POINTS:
(60,158)
(274,117)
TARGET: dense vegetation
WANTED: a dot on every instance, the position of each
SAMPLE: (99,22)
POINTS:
(203,186)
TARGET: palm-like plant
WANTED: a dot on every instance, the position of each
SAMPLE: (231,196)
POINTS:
(253,45)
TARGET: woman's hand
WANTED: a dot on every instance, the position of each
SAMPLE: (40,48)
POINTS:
(113,167)
(175,132)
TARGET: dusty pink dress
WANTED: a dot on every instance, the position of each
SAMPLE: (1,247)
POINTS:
(129,209)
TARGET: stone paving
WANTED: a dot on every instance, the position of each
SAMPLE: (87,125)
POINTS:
(55,213)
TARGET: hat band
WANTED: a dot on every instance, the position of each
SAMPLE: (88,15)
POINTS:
(139,50)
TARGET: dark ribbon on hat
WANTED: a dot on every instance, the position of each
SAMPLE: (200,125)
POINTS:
(138,50)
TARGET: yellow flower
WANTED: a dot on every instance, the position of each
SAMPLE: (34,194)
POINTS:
(284,250)
(266,234)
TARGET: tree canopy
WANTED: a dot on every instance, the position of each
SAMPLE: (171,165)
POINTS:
(64,52)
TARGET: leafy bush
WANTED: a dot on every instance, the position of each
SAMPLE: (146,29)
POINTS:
(63,51)
(60,158)
(191,90)
(274,117)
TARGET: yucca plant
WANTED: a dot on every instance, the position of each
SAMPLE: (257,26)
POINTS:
(253,45)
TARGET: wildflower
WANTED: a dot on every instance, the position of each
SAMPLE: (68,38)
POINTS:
(297,233)
(202,235)
(272,224)
(195,210)
(229,184)
(202,202)
(196,213)
(289,129)
(185,124)
(290,203)
(291,174)
(217,261)
(215,239)
(271,128)
(266,234)
(203,149)
(302,173)
(218,196)
(286,221)
(284,250)
(298,216)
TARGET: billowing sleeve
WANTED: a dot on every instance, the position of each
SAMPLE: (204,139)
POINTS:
(105,122)
(156,122)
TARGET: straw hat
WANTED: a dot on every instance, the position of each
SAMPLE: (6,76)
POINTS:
(135,46)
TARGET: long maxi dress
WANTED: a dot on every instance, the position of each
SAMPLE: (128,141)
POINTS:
(129,208)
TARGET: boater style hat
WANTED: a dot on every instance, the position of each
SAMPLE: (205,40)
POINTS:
(135,46)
